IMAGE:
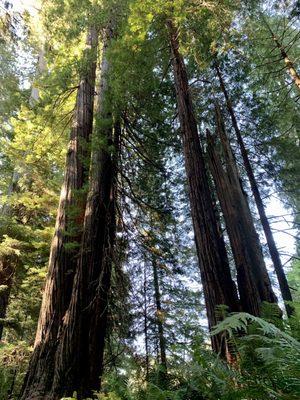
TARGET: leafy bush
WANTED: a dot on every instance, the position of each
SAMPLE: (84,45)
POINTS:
(13,362)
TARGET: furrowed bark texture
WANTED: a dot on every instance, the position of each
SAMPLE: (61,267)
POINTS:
(64,247)
(79,358)
(283,283)
(218,285)
(251,269)
(234,209)
(99,311)
(250,299)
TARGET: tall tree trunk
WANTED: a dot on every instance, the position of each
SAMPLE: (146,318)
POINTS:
(79,360)
(159,320)
(250,299)
(99,310)
(253,281)
(257,263)
(218,285)
(283,283)
(66,240)
(146,322)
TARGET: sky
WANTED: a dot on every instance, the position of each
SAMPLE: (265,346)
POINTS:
(21,5)
(282,227)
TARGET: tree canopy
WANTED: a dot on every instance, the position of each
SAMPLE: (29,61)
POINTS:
(144,148)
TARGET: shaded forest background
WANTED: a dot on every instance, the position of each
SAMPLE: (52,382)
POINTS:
(140,144)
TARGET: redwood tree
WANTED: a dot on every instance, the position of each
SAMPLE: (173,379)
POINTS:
(274,253)
(253,281)
(64,247)
(79,358)
(218,286)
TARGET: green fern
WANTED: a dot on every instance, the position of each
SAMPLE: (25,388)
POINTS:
(268,356)
(240,322)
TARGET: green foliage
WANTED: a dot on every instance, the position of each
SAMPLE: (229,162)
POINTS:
(154,219)
(266,367)
(14,358)
(266,352)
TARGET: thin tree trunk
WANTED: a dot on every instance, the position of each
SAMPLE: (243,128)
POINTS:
(218,286)
(159,320)
(283,283)
(289,64)
(146,324)
(7,271)
(79,360)
(65,243)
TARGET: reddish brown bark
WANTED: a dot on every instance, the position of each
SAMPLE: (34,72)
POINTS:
(250,299)
(253,281)
(99,311)
(283,283)
(218,285)
(256,259)
(65,243)
(79,360)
